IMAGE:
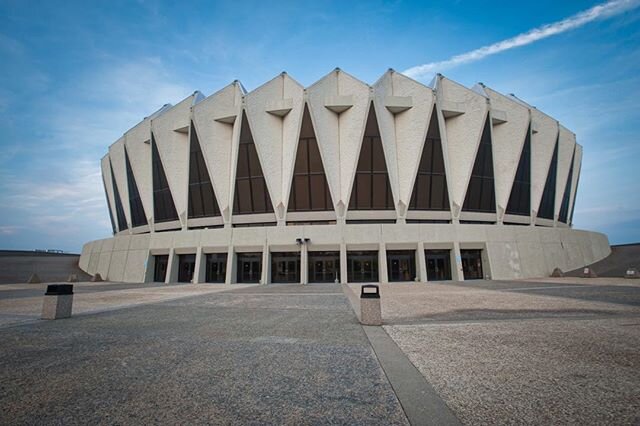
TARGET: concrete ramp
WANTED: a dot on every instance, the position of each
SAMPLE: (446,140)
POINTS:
(17,266)
(622,257)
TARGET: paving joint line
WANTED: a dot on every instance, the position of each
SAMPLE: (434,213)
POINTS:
(421,403)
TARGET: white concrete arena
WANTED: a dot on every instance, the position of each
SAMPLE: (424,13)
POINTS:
(343,181)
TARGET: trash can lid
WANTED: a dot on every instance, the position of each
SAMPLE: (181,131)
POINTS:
(370,294)
(59,289)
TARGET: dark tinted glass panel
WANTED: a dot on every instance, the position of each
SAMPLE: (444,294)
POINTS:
(122,220)
(202,200)
(186,267)
(520,198)
(113,224)
(160,269)
(362,266)
(371,189)
(401,265)
(138,218)
(573,207)
(430,187)
(438,265)
(285,267)
(549,193)
(471,264)
(480,192)
(564,207)
(164,209)
(251,193)
(216,268)
(309,190)
(249,267)
(324,267)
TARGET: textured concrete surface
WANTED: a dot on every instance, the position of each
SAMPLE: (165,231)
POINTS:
(248,356)
(472,300)
(20,303)
(531,372)
(562,351)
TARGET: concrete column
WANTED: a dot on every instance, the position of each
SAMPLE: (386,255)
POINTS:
(343,263)
(266,265)
(422,263)
(149,268)
(231,275)
(456,263)
(486,264)
(172,268)
(304,262)
(199,274)
(383,276)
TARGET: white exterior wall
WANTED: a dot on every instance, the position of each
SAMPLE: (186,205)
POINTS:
(338,106)
(512,252)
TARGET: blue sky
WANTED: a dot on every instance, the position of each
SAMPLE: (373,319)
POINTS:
(76,75)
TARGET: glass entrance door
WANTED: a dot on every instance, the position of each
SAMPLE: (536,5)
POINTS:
(438,264)
(186,266)
(324,266)
(362,266)
(249,267)
(472,264)
(160,270)
(216,268)
(285,268)
(401,265)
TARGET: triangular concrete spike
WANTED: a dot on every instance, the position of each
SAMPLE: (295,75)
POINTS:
(402,209)
(96,278)
(73,278)
(34,279)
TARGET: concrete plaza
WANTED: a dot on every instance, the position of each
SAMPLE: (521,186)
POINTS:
(550,351)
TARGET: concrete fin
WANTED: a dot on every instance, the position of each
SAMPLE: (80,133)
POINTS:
(339,135)
(508,141)
(276,135)
(118,167)
(463,133)
(543,143)
(173,148)
(218,139)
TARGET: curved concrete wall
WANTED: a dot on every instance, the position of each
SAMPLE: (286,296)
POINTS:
(508,251)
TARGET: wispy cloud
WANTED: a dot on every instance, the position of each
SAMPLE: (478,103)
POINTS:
(601,11)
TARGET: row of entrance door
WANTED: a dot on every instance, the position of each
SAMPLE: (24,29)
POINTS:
(324,266)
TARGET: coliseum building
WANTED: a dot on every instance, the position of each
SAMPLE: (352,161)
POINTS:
(343,182)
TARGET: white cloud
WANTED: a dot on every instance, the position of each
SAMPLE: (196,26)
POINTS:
(601,11)
(58,193)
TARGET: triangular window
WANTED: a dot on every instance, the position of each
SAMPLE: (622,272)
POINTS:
(430,188)
(122,220)
(573,205)
(520,198)
(371,188)
(164,209)
(113,224)
(251,194)
(549,193)
(202,199)
(564,207)
(138,218)
(309,188)
(481,195)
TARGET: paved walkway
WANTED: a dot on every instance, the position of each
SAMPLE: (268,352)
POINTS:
(277,354)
